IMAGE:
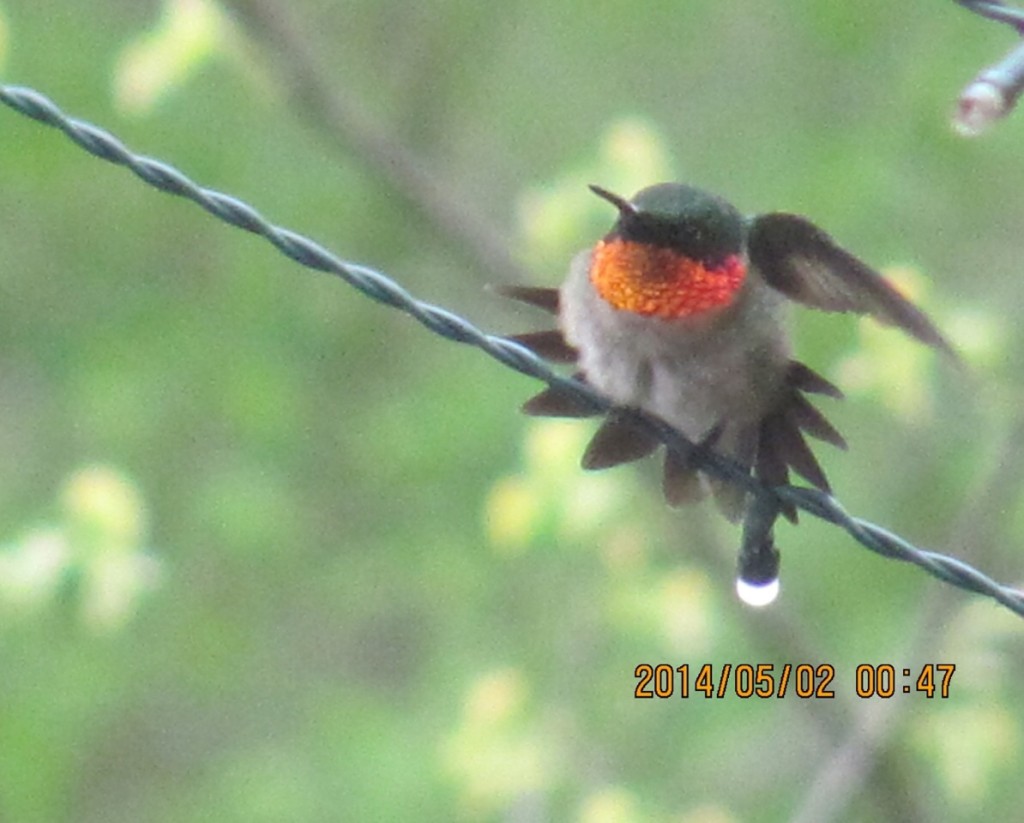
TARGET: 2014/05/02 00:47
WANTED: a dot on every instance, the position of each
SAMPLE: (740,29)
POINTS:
(805,679)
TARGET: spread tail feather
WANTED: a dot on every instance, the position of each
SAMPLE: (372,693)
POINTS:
(618,440)
(741,445)
(806,379)
(681,483)
(555,403)
(782,445)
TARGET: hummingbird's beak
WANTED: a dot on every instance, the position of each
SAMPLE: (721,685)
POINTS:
(626,209)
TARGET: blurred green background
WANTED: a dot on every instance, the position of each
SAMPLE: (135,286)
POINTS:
(271,552)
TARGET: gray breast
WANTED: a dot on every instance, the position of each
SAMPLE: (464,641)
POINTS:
(692,372)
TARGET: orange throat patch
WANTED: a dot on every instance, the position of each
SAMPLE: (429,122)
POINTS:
(659,282)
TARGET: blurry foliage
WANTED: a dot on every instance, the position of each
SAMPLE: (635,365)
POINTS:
(975,741)
(96,550)
(549,503)
(3,37)
(380,593)
(553,217)
(160,62)
(497,752)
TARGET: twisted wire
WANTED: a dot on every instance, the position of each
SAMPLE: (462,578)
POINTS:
(996,10)
(382,289)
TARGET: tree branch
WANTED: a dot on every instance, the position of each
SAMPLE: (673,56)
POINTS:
(348,128)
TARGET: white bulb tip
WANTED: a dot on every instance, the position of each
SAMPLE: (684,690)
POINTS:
(979,107)
(757,594)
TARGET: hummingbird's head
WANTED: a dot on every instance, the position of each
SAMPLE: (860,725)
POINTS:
(674,251)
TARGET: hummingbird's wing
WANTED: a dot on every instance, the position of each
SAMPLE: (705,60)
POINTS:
(800,260)
(549,344)
(555,403)
(619,440)
(539,296)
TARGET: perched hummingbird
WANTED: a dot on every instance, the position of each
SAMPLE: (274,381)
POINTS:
(680,310)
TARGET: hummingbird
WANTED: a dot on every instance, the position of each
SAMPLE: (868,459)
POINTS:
(681,310)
